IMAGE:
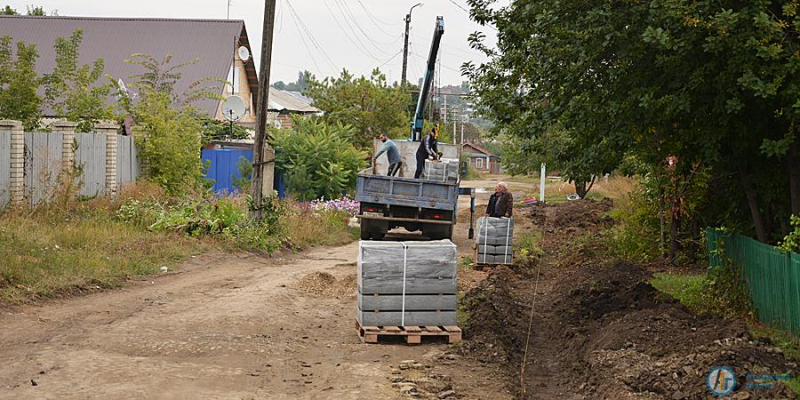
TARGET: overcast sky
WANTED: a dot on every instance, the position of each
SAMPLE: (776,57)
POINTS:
(322,36)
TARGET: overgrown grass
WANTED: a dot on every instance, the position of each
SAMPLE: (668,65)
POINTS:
(45,256)
(69,245)
(528,244)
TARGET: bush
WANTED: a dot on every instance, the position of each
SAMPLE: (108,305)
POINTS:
(320,160)
(634,237)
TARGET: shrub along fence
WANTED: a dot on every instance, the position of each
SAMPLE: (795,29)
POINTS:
(31,162)
(771,276)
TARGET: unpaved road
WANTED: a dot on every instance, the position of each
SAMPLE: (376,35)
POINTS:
(223,326)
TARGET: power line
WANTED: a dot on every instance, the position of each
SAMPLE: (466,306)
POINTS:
(355,34)
(303,39)
(311,36)
(363,48)
(376,44)
(374,20)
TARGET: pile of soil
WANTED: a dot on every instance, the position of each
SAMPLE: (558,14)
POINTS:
(584,214)
(600,330)
(319,283)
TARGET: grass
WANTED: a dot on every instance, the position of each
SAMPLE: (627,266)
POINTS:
(44,257)
(528,244)
(688,289)
(69,245)
(306,229)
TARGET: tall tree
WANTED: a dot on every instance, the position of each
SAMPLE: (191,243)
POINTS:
(708,84)
(370,105)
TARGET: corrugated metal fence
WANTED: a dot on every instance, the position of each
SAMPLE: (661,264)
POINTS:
(43,163)
(772,277)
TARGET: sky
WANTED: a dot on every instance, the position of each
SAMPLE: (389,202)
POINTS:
(322,36)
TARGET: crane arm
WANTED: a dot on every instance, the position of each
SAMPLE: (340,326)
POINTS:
(416,125)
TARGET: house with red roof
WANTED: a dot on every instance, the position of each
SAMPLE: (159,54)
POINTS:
(481,159)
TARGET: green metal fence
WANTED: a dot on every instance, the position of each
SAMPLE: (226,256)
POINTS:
(772,277)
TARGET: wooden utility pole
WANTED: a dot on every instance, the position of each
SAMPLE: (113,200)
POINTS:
(262,156)
(405,45)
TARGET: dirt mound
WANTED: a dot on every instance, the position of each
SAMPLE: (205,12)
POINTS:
(323,284)
(586,213)
(492,336)
(600,330)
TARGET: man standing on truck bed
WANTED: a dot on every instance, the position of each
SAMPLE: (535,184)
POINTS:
(395,162)
(501,203)
(428,149)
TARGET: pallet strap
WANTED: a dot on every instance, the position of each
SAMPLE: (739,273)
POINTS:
(485,237)
(508,231)
(403,306)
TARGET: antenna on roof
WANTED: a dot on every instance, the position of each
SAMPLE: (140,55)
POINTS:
(229,9)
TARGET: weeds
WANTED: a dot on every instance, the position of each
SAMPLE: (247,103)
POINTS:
(68,244)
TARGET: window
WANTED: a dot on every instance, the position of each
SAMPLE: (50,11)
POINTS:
(479,163)
(234,77)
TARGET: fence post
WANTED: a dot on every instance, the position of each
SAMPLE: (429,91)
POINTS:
(67,130)
(110,130)
(16,188)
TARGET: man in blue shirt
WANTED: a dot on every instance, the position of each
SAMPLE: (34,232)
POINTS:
(391,153)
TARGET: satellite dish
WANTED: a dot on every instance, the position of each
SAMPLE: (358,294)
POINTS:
(244,54)
(233,108)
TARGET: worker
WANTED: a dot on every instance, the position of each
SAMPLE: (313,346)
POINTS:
(501,203)
(390,148)
(428,150)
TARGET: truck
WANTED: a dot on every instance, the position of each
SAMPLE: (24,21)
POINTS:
(389,202)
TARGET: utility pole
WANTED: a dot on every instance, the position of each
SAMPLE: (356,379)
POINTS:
(263,174)
(405,46)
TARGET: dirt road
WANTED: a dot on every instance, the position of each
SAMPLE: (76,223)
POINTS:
(221,327)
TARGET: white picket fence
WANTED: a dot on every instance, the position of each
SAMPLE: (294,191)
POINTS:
(31,162)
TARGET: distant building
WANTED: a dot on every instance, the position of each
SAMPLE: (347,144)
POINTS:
(481,159)
(215,43)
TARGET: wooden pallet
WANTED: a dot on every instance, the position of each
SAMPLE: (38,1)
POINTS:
(412,334)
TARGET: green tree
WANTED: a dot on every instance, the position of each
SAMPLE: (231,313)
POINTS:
(19,83)
(8,11)
(706,84)
(167,128)
(370,105)
(319,158)
(35,11)
(72,91)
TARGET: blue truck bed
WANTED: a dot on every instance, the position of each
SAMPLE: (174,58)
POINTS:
(407,192)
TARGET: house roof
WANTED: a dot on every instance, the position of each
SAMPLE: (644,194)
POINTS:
(116,39)
(281,100)
(479,149)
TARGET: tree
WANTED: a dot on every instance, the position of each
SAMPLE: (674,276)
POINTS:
(35,11)
(72,91)
(370,105)
(319,158)
(19,84)
(167,128)
(8,11)
(704,84)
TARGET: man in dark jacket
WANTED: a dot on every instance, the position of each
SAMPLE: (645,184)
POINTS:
(501,203)
(428,149)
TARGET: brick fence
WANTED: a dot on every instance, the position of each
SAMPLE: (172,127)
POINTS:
(30,162)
